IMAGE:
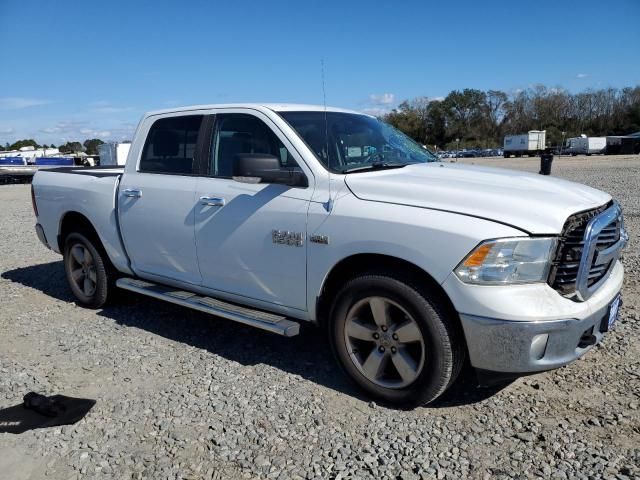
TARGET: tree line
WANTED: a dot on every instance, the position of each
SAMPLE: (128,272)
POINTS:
(89,146)
(481,119)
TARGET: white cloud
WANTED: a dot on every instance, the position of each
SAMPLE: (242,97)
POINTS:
(16,103)
(102,106)
(124,132)
(79,130)
(90,132)
(112,109)
(99,103)
(582,75)
(65,127)
(376,111)
(382,99)
(6,131)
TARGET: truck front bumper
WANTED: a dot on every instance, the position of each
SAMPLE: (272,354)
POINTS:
(527,329)
(525,347)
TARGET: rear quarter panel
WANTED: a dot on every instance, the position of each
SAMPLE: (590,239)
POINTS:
(94,197)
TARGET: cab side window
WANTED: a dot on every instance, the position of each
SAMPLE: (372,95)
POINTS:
(171,145)
(238,133)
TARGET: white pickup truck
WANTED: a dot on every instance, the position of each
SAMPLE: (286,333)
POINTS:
(274,215)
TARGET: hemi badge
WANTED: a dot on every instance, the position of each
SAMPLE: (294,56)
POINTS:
(322,239)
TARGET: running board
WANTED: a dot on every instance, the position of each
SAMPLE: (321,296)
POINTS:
(255,318)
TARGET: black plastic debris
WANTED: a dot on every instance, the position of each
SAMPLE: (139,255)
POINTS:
(40,411)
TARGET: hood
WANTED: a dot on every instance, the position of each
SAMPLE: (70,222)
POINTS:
(534,203)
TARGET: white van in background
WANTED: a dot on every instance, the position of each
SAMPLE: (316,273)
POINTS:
(584,145)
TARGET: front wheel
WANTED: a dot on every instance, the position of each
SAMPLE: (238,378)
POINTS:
(394,341)
(86,271)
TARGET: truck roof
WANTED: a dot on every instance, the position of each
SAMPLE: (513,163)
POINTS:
(276,107)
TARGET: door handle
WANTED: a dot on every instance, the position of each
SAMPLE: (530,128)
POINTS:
(132,193)
(213,201)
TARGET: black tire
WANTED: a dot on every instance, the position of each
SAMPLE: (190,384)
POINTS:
(98,270)
(443,350)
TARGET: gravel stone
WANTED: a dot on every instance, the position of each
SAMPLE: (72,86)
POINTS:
(181,395)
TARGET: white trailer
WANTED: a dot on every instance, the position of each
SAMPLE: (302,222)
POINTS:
(114,153)
(531,144)
(584,145)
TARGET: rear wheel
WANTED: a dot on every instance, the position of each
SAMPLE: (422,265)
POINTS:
(86,270)
(393,340)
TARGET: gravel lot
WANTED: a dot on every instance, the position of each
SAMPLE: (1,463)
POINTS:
(184,395)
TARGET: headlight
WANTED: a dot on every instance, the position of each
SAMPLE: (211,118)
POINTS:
(508,260)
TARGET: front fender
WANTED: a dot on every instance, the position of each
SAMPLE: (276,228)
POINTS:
(432,240)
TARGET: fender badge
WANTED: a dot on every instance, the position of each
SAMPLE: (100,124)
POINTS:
(321,239)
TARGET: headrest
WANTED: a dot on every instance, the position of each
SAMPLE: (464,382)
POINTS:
(166,143)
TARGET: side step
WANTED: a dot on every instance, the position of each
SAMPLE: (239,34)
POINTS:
(255,318)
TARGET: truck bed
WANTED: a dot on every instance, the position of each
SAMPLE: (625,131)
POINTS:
(98,172)
(91,192)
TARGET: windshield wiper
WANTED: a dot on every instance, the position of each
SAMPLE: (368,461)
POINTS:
(375,166)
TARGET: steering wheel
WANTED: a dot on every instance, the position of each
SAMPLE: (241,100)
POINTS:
(374,157)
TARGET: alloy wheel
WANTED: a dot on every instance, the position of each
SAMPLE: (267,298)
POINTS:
(83,269)
(384,342)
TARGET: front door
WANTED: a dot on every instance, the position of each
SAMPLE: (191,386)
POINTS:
(251,238)
(156,202)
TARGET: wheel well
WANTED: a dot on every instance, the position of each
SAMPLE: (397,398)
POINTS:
(349,267)
(76,222)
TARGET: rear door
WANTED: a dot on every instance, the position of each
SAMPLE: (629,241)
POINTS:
(156,201)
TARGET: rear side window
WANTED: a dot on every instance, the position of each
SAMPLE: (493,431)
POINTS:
(171,145)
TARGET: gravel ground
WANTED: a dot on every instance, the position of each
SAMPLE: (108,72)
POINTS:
(184,395)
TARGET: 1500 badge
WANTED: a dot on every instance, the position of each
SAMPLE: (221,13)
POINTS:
(285,237)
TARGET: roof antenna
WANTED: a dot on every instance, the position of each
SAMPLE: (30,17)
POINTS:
(329,205)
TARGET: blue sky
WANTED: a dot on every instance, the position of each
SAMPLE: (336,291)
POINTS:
(74,70)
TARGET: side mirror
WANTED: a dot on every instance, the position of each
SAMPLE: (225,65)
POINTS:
(265,168)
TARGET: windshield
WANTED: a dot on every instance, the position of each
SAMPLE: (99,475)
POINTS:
(349,142)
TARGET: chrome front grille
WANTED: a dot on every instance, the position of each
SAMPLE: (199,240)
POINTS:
(589,246)
(607,237)
(564,271)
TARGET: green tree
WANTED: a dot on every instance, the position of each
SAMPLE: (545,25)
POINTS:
(24,143)
(91,146)
(70,147)
(493,112)
(481,119)
(422,119)
(410,118)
